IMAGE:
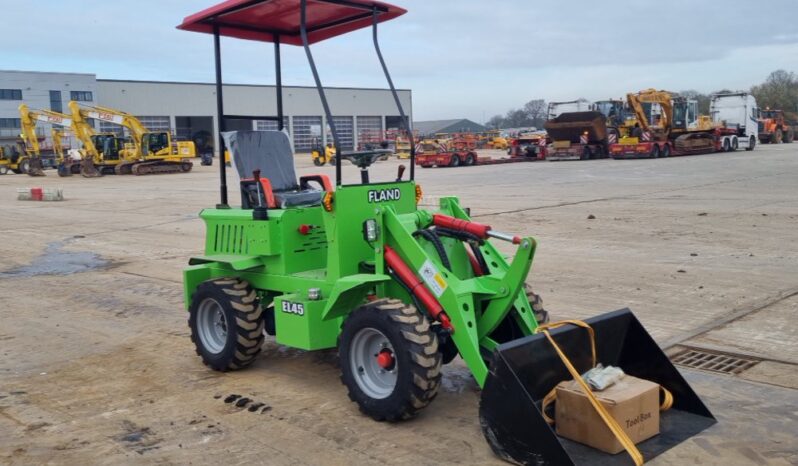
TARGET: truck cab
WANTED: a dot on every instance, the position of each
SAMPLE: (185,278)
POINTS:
(739,111)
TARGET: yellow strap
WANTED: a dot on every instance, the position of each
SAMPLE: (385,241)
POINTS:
(667,399)
(616,430)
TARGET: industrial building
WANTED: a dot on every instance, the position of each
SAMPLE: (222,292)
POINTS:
(189,109)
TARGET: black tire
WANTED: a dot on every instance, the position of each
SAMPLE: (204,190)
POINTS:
(600,152)
(789,136)
(726,145)
(776,137)
(455,161)
(666,151)
(24,165)
(751,143)
(735,144)
(654,152)
(417,360)
(317,161)
(4,169)
(586,154)
(243,317)
(469,160)
(536,302)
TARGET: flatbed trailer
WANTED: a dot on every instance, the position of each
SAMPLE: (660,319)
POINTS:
(455,158)
(690,143)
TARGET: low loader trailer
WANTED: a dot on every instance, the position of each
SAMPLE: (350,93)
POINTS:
(457,153)
(691,143)
(399,290)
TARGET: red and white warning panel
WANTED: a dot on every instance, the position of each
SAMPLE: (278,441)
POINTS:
(40,194)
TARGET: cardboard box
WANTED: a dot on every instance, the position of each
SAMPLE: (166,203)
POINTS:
(633,402)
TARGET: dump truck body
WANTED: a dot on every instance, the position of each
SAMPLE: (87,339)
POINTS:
(577,136)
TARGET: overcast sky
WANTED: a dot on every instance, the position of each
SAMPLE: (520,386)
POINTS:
(461,58)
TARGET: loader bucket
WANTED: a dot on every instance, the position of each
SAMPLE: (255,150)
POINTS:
(523,371)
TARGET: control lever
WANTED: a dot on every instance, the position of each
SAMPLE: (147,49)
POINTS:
(256,177)
(260,212)
(401,172)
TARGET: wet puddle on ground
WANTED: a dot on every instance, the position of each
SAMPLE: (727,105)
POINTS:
(56,261)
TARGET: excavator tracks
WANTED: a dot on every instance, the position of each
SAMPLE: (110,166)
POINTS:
(161,167)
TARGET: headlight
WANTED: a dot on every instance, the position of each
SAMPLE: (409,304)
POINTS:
(371,231)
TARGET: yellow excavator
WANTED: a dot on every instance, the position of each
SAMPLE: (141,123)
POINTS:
(676,130)
(31,161)
(151,151)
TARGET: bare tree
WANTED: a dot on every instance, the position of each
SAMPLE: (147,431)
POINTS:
(517,118)
(780,90)
(536,112)
(495,122)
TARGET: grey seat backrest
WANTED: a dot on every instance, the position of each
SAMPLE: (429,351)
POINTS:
(267,151)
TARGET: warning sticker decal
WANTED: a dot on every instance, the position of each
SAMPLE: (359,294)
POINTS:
(429,273)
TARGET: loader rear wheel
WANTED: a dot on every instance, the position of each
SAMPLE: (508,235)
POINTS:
(389,358)
(226,323)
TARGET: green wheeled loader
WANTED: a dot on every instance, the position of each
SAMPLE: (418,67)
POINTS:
(397,289)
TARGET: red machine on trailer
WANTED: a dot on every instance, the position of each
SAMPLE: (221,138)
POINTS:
(461,151)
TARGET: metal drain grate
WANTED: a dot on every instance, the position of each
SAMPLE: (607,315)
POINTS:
(715,362)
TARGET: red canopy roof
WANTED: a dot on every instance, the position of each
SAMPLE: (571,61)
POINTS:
(264,19)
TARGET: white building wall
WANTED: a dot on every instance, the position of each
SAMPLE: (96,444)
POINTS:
(197,99)
(173,100)
(36,89)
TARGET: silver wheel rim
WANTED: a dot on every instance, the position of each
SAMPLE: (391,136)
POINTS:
(372,379)
(212,326)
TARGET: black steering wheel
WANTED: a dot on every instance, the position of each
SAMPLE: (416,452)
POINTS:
(364,159)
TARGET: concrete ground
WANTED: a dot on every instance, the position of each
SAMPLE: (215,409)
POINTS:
(96,366)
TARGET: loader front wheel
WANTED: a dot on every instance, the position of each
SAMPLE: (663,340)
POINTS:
(536,303)
(389,359)
(226,323)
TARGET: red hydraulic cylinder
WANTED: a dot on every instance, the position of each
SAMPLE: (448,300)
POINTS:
(417,287)
(478,229)
(445,221)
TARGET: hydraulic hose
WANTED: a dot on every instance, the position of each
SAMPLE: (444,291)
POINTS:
(458,234)
(433,238)
(483,265)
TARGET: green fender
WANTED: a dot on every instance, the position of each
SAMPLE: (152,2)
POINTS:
(349,292)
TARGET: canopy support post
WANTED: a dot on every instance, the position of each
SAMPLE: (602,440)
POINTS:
(217,54)
(304,33)
(405,123)
(279,82)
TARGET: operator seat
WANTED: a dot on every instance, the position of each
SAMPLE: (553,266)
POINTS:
(270,152)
